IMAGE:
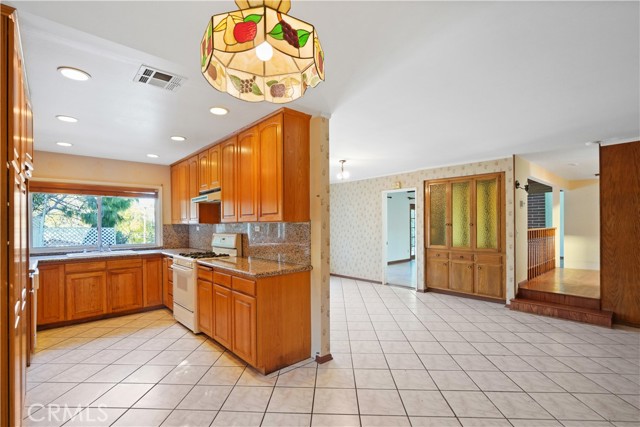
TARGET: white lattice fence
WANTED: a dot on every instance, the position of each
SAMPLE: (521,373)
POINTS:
(74,236)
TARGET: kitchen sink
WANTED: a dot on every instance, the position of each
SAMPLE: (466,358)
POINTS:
(92,254)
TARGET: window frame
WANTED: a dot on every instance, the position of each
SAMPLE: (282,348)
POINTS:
(90,189)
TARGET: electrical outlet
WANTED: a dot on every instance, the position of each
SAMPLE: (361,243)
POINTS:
(256,228)
(197,228)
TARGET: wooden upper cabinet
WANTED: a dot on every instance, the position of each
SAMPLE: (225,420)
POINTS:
(183,191)
(229,212)
(192,189)
(204,179)
(247,190)
(175,194)
(270,177)
(295,167)
(214,167)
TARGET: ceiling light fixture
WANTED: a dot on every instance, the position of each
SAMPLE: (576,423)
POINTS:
(64,144)
(67,119)
(74,74)
(343,174)
(259,53)
(152,156)
(178,138)
(218,111)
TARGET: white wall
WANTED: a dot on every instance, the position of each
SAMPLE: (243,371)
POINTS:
(398,223)
(582,227)
(356,219)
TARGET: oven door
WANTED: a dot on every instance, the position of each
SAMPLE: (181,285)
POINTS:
(183,286)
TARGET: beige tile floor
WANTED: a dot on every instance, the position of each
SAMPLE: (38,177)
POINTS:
(400,358)
(402,274)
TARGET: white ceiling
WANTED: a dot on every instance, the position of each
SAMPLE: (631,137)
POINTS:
(409,85)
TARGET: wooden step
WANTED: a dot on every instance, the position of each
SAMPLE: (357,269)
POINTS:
(558,298)
(562,311)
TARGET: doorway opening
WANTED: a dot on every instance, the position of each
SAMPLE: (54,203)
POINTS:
(399,238)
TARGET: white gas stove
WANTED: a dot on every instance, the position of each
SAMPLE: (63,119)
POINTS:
(185,276)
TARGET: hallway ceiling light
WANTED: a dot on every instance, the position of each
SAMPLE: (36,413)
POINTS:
(259,53)
(67,119)
(64,144)
(343,174)
(178,138)
(152,156)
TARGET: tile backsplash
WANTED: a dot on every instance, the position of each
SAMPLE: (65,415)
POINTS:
(278,241)
(175,236)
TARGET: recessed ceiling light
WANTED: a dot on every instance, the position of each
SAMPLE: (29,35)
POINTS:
(178,138)
(152,156)
(64,144)
(74,73)
(572,164)
(218,111)
(67,119)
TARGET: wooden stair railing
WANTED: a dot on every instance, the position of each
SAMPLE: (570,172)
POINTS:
(542,251)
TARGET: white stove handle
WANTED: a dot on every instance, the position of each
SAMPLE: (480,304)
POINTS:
(181,268)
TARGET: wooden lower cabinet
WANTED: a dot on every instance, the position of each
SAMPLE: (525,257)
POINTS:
(461,277)
(437,273)
(167,282)
(51,295)
(205,307)
(222,315)
(152,293)
(244,327)
(125,289)
(86,294)
(489,273)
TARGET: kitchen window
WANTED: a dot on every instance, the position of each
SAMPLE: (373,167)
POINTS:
(76,217)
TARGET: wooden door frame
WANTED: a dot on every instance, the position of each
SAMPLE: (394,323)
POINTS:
(385,219)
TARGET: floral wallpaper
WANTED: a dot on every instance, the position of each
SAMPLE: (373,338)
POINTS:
(356,219)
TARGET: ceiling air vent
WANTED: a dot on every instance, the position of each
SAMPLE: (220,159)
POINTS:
(157,78)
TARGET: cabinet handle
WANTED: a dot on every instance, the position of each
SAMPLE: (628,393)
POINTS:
(437,255)
(445,263)
(471,224)
(471,266)
(461,256)
(479,268)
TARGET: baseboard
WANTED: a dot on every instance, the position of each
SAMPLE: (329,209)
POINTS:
(465,295)
(399,261)
(100,317)
(324,359)
(356,278)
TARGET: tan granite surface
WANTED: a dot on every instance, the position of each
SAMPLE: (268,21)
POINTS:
(255,267)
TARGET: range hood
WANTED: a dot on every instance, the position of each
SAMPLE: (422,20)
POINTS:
(211,197)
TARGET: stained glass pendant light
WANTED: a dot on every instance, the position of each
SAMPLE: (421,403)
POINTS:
(259,53)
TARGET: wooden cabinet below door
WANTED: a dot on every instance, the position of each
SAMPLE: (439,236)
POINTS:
(244,327)
(125,289)
(51,295)
(205,307)
(438,273)
(461,276)
(222,315)
(152,281)
(167,282)
(86,294)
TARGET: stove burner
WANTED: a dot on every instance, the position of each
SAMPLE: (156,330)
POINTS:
(197,255)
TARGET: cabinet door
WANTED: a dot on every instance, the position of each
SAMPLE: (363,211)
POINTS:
(214,167)
(124,289)
(222,315)
(167,282)
(51,294)
(229,194)
(152,281)
(437,197)
(247,191)
(193,190)
(437,273)
(86,294)
(489,280)
(183,191)
(461,276)
(205,307)
(175,194)
(461,207)
(244,327)
(270,179)
(488,207)
(203,171)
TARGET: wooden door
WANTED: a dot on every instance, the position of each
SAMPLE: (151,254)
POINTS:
(214,167)
(247,190)
(51,294)
(192,189)
(244,327)
(222,315)
(124,289)
(270,179)
(152,282)
(461,276)
(167,282)
(205,307)
(175,195)
(229,212)
(86,294)
(437,214)
(204,178)
(437,273)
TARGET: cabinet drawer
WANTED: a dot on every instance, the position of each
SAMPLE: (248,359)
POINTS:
(488,259)
(437,254)
(205,273)
(81,267)
(243,285)
(222,279)
(124,263)
(461,256)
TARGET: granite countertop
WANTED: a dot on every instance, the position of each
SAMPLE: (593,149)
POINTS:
(251,267)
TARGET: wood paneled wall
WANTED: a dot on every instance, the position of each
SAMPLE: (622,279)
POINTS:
(620,231)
